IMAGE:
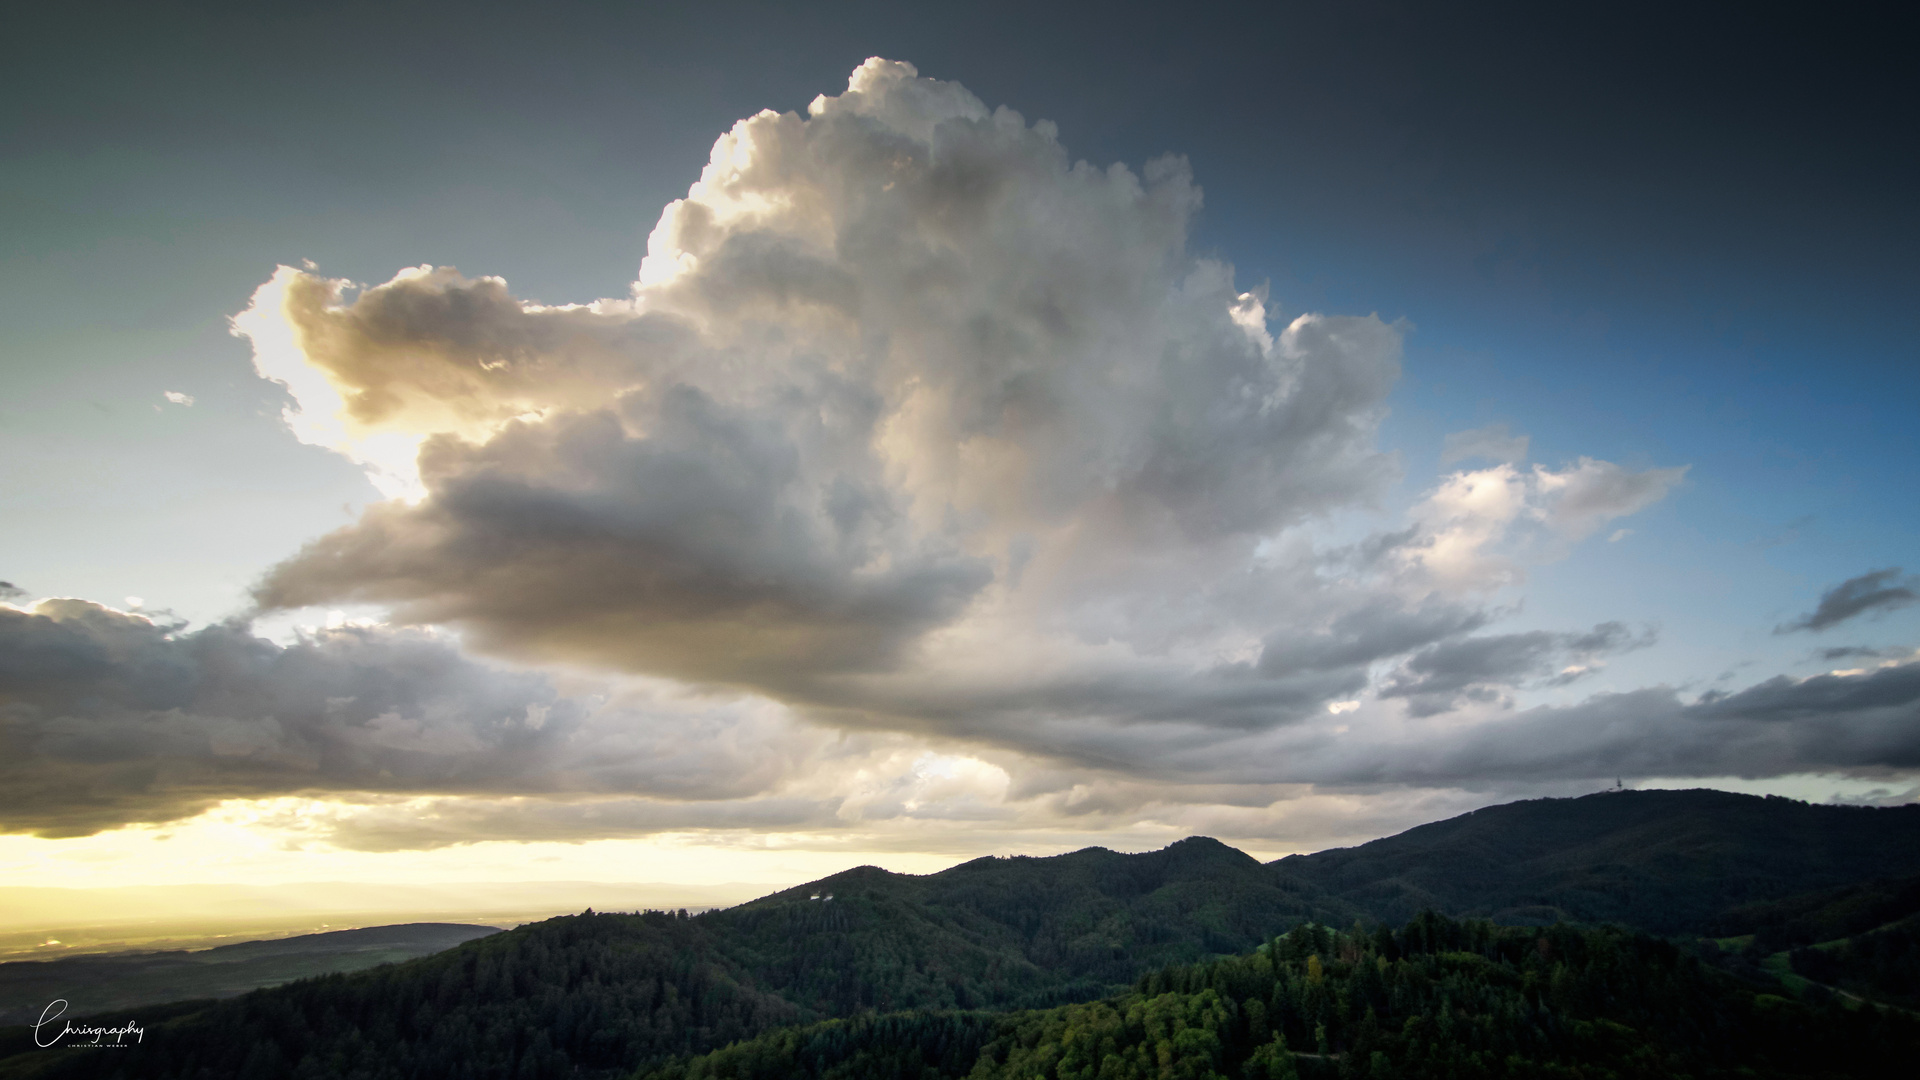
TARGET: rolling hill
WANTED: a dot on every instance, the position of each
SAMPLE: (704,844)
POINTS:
(1668,862)
(603,995)
(1435,998)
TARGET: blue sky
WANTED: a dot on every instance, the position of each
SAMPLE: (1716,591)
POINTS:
(1648,236)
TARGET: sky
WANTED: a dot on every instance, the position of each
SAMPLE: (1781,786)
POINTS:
(463,443)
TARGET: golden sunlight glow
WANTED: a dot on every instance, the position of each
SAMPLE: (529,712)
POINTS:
(258,842)
(318,415)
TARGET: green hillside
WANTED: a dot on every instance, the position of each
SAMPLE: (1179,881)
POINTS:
(1437,998)
(1017,930)
(1882,965)
(600,995)
(1822,915)
(1668,862)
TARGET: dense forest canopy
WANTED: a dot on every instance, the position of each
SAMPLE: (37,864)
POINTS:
(1435,998)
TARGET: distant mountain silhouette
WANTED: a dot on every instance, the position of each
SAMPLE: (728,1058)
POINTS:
(126,980)
(1667,862)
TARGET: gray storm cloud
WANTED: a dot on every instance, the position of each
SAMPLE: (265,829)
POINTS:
(108,718)
(1863,722)
(1438,677)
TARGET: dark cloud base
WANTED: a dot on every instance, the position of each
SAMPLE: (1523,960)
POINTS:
(108,719)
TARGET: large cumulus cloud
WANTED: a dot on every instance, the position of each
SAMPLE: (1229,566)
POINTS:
(912,422)
(912,427)
(896,368)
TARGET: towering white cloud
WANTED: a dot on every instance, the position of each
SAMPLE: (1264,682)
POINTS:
(912,426)
(899,384)
(912,422)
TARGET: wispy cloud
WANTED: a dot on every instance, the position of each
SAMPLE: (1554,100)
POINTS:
(1493,442)
(1874,591)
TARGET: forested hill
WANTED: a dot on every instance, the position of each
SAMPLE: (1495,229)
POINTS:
(1090,918)
(1667,862)
(599,994)
(1434,1000)
(602,995)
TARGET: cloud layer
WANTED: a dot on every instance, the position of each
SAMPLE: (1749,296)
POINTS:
(108,718)
(1865,722)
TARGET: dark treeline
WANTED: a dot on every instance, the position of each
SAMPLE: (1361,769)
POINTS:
(1883,965)
(596,992)
(1823,915)
(1863,939)
(1437,998)
(894,1046)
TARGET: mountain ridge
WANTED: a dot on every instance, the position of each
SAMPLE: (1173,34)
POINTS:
(608,993)
(1664,861)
